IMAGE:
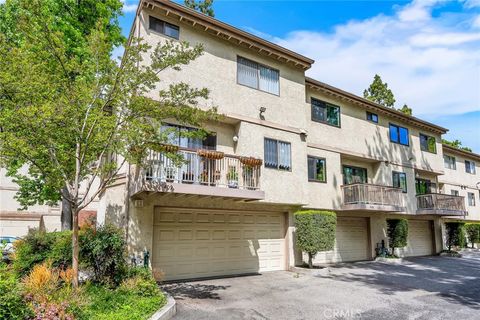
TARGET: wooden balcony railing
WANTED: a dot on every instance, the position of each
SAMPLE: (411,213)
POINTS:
(441,203)
(227,172)
(370,194)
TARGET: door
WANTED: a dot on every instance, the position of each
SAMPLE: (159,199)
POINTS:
(351,243)
(196,243)
(420,238)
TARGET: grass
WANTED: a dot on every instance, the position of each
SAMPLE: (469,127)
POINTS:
(110,304)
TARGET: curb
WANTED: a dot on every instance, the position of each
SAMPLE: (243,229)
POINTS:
(168,311)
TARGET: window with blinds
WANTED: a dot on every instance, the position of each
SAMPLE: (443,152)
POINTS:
(257,76)
(278,155)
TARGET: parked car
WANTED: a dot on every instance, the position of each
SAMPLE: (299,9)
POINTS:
(6,246)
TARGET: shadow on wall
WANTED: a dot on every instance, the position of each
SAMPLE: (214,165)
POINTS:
(453,279)
(337,201)
(114,215)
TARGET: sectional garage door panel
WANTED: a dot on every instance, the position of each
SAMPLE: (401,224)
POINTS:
(351,243)
(420,239)
(197,243)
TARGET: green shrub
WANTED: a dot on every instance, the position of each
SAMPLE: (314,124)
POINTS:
(140,282)
(12,305)
(455,234)
(473,232)
(39,246)
(397,230)
(315,231)
(104,251)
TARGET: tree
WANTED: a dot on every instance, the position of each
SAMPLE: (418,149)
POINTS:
(405,109)
(75,20)
(473,233)
(73,116)
(379,92)
(397,230)
(455,234)
(315,231)
(456,144)
(204,6)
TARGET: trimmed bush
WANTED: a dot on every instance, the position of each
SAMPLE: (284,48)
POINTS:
(104,251)
(473,233)
(455,234)
(315,231)
(397,230)
(39,246)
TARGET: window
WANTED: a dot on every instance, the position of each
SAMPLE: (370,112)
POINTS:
(400,180)
(428,143)
(454,192)
(163,27)
(449,162)
(325,112)
(373,117)
(257,76)
(469,167)
(399,134)
(278,155)
(182,136)
(471,199)
(317,170)
(424,186)
(354,175)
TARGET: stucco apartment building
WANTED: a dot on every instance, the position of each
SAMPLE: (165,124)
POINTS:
(285,142)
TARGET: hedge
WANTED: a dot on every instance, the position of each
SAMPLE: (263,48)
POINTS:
(455,234)
(473,232)
(397,230)
(315,231)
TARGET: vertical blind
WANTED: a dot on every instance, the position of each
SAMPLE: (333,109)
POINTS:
(251,74)
(278,154)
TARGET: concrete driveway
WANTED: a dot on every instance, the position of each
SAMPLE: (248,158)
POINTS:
(420,288)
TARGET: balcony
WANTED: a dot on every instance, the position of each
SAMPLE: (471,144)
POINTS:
(370,197)
(202,173)
(441,204)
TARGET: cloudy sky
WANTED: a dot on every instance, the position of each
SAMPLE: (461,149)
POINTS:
(427,51)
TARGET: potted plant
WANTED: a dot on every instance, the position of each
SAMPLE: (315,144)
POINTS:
(203,177)
(232,178)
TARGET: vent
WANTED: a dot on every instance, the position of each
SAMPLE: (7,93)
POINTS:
(138,203)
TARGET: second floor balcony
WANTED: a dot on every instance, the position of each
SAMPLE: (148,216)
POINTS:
(201,172)
(371,197)
(441,204)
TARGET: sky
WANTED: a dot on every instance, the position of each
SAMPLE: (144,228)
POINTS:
(427,51)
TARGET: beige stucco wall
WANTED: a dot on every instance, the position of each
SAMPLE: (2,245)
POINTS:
(464,183)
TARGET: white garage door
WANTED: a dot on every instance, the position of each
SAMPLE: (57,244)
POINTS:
(191,243)
(351,243)
(420,239)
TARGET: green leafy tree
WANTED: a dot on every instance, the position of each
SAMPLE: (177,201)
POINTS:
(397,231)
(473,233)
(455,234)
(379,92)
(405,109)
(75,20)
(205,6)
(456,144)
(73,116)
(315,232)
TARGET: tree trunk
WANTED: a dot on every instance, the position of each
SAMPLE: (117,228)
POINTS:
(75,249)
(310,260)
(66,217)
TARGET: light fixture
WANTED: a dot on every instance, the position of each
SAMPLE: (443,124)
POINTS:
(262,111)
(235,138)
